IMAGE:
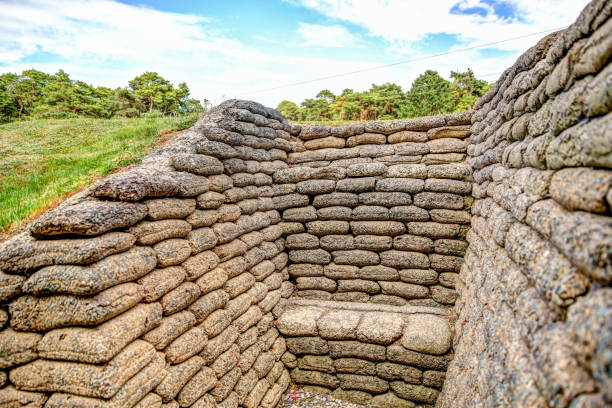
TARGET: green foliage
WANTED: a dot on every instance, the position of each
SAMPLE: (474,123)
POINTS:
(43,160)
(35,94)
(290,110)
(153,114)
(466,89)
(8,105)
(430,94)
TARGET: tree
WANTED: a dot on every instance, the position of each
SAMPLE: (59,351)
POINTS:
(429,95)
(123,102)
(466,89)
(150,89)
(290,110)
(387,100)
(37,93)
(316,109)
(185,104)
(206,104)
(25,89)
(63,97)
(8,104)
(327,95)
(191,105)
(59,98)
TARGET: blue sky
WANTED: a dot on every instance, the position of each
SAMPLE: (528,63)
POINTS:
(226,48)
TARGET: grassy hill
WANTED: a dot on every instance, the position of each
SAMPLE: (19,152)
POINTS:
(43,161)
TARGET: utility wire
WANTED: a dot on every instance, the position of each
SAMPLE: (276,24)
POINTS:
(428,91)
(402,62)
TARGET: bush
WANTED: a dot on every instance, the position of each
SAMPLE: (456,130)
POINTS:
(153,114)
(185,121)
(56,115)
(130,113)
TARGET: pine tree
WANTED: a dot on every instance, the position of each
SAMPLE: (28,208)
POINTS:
(430,94)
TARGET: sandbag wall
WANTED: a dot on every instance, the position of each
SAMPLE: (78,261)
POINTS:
(371,354)
(156,286)
(383,213)
(533,323)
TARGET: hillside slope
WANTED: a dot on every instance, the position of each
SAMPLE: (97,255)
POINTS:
(42,161)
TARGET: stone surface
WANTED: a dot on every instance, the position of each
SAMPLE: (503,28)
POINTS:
(365,169)
(203,381)
(160,281)
(136,184)
(314,378)
(307,345)
(186,345)
(390,400)
(148,232)
(339,325)
(363,383)
(427,334)
(24,254)
(11,397)
(299,322)
(84,379)
(89,218)
(413,392)
(170,328)
(199,264)
(17,348)
(386,228)
(88,280)
(197,164)
(163,208)
(180,297)
(354,349)
(172,251)
(404,259)
(380,328)
(581,189)
(40,314)
(102,343)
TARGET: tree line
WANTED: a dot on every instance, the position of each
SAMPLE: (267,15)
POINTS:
(430,94)
(35,94)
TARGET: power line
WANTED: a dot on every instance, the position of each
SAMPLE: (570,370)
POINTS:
(488,75)
(429,89)
(402,62)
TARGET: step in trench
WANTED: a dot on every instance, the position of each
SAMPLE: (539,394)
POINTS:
(370,354)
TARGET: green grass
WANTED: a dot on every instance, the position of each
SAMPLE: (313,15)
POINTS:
(42,161)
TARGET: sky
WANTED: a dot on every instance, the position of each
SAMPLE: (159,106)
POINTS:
(241,48)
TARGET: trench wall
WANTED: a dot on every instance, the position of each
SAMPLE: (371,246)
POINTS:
(533,323)
(383,213)
(161,285)
(156,286)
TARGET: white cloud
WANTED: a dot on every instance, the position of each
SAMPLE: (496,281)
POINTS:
(406,22)
(108,43)
(334,36)
(81,28)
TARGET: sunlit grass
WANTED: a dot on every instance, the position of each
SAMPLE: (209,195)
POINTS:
(42,161)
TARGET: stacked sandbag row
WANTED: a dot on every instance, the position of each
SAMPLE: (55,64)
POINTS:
(380,220)
(534,319)
(156,286)
(428,140)
(374,355)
